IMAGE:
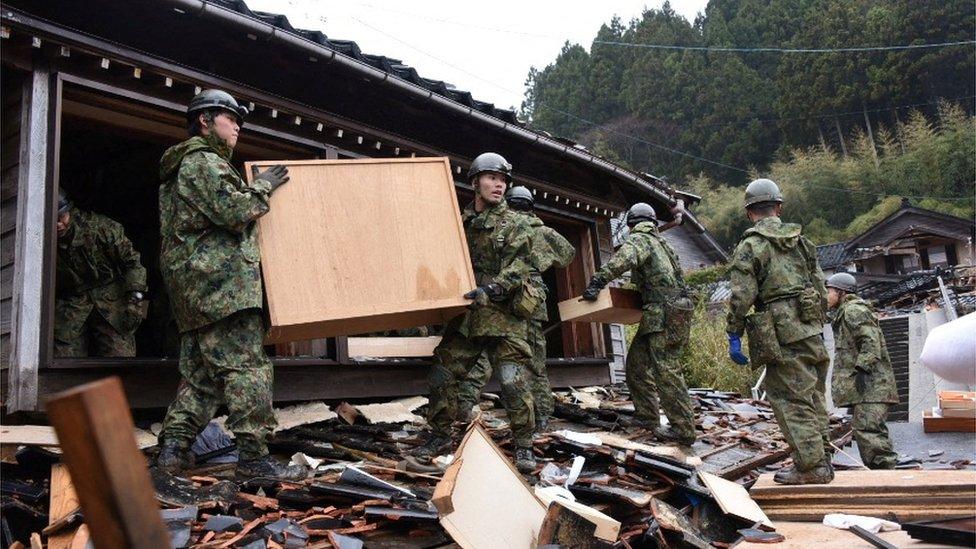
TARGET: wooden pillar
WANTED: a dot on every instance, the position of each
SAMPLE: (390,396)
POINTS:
(33,277)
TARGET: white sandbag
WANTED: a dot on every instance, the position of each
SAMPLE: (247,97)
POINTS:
(950,350)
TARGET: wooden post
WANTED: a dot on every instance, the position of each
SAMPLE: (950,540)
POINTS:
(109,472)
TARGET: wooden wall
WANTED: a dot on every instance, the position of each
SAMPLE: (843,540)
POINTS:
(10,120)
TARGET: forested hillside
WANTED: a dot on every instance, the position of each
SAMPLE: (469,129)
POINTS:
(843,131)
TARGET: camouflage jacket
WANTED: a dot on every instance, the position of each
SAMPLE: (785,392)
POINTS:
(549,249)
(654,269)
(772,264)
(209,258)
(859,346)
(98,266)
(500,244)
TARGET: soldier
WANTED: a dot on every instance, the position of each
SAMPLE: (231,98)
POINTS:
(211,267)
(652,360)
(863,378)
(100,291)
(774,269)
(500,242)
(549,249)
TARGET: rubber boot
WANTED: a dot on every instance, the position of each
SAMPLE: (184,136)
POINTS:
(173,459)
(269,467)
(524,460)
(667,434)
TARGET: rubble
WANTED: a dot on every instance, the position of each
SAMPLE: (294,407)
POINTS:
(606,474)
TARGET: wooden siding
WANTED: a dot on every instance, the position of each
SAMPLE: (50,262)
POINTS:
(10,121)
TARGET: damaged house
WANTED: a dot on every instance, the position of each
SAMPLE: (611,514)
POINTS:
(94,92)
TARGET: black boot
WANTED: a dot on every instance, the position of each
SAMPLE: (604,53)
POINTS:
(823,473)
(524,460)
(667,434)
(435,446)
(173,459)
(267,466)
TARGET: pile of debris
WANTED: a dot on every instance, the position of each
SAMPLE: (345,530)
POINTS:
(602,481)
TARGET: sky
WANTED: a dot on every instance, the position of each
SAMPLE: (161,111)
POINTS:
(486,48)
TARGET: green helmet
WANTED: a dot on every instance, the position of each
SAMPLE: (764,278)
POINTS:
(762,190)
(520,198)
(844,282)
(216,99)
(490,162)
(640,212)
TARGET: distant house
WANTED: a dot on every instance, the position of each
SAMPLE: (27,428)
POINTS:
(909,240)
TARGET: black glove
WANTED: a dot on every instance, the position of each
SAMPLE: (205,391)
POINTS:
(861,381)
(276,176)
(483,294)
(593,290)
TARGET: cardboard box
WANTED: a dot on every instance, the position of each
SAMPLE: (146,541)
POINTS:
(358,246)
(613,306)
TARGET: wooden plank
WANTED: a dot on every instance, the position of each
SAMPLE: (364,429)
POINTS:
(110,474)
(804,535)
(28,435)
(64,501)
(332,266)
(734,499)
(393,347)
(932,424)
(471,491)
(606,528)
(613,306)
(893,482)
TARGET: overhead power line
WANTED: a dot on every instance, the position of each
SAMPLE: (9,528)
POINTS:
(720,49)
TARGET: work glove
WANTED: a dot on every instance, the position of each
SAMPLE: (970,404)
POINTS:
(276,176)
(483,294)
(735,350)
(592,291)
(861,381)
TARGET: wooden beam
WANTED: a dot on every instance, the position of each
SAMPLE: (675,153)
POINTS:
(112,480)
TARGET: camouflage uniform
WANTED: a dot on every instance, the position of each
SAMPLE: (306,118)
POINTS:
(211,266)
(652,360)
(549,249)
(774,268)
(861,352)
(500,241)
(97,272)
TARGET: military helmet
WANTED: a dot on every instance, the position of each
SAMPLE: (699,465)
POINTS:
(490,162)
(520,198)
(843,281)
(216,99)
(762,190)
(64,203)
(640,212)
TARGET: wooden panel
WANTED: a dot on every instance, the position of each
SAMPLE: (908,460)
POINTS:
(614,305)
(356,246)
(110,474)
(393,347)
(64,501)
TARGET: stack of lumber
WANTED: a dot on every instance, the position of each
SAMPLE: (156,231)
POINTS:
(903,495)
(956,412)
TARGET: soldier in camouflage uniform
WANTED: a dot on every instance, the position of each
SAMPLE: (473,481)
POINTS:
(862,378)
(549,249)
(774,270)
(100,286)
(211,267)
(652,360)
(500,242)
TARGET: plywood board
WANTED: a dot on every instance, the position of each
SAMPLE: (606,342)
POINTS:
(607,527)
(484,502)
(613,306)
(734,499)
(357,246)
(43,435)
(392,347)
(804,535)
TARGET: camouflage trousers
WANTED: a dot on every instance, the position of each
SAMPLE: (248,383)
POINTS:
(795,389)
(652,367)
(80,331)
(454,359)
(469,390)
(224,363)
(871,434)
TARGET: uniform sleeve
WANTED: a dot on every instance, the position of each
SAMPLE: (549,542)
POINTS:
(745,288)
(867,338)
(215,190)
(519,243)
(127,258)
(630,255)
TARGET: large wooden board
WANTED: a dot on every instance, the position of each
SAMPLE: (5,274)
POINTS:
(613,306)
(357,246)
(392,347)
(732,498)
(892,483)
